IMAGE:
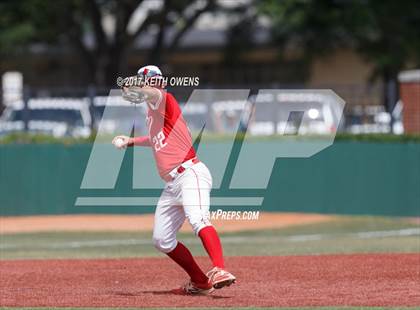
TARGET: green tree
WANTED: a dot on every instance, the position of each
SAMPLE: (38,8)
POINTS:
(386,33)
(67,24)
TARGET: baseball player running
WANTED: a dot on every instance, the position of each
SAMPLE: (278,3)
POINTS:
(186,194)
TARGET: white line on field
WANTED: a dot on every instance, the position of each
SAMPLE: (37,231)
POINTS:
(228,240)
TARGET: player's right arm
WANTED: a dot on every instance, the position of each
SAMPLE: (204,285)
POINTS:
(128,141)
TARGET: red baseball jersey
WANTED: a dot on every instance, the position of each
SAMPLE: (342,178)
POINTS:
(169,135)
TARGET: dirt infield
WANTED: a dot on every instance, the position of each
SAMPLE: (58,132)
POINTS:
(324,280)
(21,224)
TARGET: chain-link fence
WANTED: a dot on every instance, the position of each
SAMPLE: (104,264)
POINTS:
(78,112)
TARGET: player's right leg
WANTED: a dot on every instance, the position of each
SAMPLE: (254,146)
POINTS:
(196,187)
(169,217)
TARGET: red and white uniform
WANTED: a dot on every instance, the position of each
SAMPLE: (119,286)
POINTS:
(188,181)
(169,135)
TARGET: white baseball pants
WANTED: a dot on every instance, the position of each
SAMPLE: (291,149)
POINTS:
(187,196)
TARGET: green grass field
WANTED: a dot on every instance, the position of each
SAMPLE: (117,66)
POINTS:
(341,235)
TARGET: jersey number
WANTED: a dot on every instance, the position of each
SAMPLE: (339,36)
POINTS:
(158,141)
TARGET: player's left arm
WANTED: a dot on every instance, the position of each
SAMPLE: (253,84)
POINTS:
(152,95)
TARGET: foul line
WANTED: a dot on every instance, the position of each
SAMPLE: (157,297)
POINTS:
(228,240)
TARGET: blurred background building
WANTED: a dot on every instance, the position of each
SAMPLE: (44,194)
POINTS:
(59,58)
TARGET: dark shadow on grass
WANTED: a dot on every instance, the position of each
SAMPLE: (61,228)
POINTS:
(171,292)
(163,292)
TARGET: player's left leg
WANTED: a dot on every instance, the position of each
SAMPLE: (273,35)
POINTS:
(196,187)
(169,217)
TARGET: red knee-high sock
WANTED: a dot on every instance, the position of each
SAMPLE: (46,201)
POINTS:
(213,246)
(183,257)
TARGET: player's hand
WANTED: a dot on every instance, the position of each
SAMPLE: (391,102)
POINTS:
(132,94)
(121,142)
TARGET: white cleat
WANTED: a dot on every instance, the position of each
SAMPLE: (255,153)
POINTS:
(191,288)
(220,278)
